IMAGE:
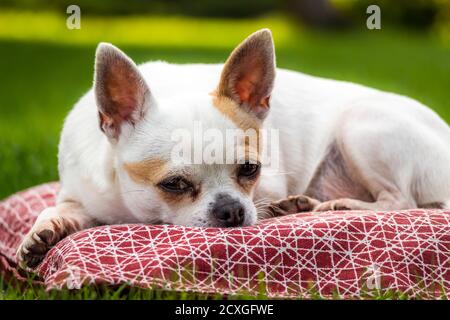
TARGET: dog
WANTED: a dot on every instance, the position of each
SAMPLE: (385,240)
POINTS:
(342,146)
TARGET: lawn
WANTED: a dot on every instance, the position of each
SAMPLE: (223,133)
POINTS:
(44,70)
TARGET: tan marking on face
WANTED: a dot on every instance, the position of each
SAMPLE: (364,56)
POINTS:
(175,201)
(246,185)
(252,147)
(148,172)
(243,120)
(151,172)
(235,113)
(247,152)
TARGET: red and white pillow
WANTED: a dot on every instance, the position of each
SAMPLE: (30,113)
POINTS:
(350,254)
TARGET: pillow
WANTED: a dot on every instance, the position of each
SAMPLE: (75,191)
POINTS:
(351,254)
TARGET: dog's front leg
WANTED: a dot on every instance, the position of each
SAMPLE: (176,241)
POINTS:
(293,204)
(345,204)
(52,225)
(385,201)
(301,203)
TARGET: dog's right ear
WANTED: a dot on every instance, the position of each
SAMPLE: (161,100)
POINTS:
(120,90)
(249,73)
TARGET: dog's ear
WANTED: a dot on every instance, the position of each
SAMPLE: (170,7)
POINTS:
(121,92)
(249,73)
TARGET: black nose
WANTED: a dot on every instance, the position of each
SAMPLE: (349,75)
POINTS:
(227,211)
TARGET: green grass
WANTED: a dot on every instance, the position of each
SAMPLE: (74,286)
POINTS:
(13,290)
(44,70)
(28,290)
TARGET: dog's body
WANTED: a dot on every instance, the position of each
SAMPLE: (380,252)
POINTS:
(342,145)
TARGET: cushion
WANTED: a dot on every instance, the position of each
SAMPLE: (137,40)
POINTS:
(351,254)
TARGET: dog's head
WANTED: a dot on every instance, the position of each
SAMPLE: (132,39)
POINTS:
(141,127)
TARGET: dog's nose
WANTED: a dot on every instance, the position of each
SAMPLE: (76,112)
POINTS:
(228,212)
(230,215)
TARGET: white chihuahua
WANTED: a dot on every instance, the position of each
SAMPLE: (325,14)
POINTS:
(342,146)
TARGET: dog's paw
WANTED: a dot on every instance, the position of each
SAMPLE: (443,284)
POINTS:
(334,205)
(293,204)
(38,242)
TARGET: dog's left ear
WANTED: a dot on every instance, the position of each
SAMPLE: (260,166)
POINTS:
(249,73)
(121,93)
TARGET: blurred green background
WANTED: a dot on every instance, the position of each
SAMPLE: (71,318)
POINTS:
(45,67)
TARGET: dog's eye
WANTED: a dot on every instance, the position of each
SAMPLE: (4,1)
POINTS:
(249,169)
(175,185)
